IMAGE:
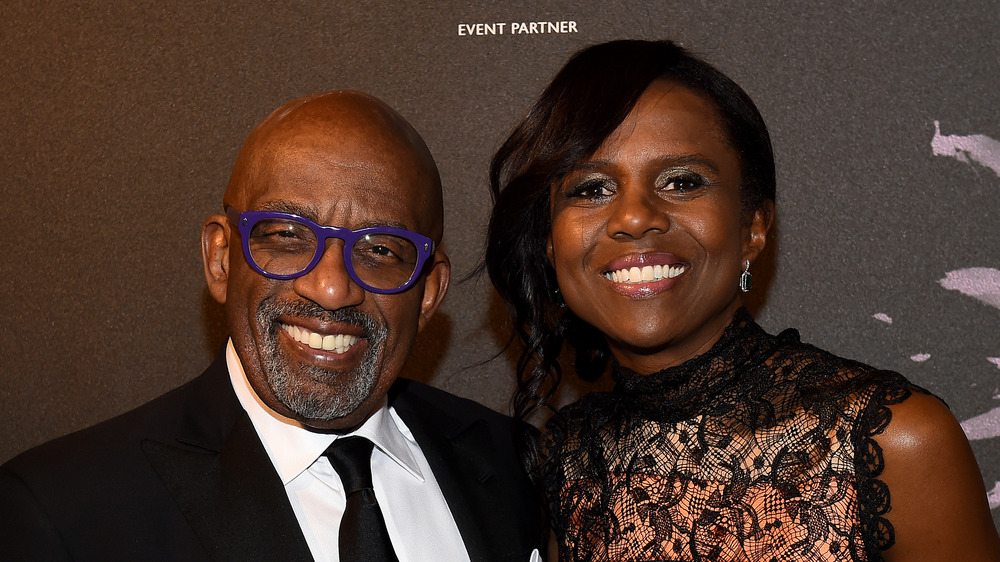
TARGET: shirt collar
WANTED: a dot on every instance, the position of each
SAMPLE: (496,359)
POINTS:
(293,448)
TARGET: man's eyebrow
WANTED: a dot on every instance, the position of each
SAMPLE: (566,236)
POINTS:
(392,223)
(310,212)
(282,206)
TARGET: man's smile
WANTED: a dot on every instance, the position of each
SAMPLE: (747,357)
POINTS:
(337,343)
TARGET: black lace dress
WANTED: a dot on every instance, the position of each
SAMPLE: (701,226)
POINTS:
(761,449)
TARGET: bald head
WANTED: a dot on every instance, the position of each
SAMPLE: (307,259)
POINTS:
(346,129)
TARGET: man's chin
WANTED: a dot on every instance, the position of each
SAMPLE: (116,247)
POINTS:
(319,398)
(322,389)
(342,424)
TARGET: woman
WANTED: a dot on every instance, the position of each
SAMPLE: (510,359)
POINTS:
(630,205)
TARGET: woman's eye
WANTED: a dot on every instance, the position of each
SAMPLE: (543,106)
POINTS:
(591,189)
(684,183)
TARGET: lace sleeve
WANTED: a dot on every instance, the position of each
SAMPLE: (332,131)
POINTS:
(873,494)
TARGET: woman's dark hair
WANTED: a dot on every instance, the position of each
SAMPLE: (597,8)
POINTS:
(586,101)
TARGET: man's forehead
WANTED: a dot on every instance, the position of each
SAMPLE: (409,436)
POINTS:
(311,163)
(360,150)
(352,194)
(339,149)
(363,215)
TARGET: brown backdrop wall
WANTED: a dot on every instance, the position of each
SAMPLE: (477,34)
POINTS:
(120,122)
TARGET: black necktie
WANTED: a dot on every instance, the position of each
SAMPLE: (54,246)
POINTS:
(363,536)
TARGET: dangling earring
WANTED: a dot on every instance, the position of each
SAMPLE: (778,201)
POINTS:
(746,280)
(559,298)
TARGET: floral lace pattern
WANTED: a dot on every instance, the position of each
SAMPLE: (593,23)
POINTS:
(761,449)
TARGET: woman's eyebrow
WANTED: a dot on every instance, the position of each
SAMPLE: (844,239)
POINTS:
(687,160)
(664,160)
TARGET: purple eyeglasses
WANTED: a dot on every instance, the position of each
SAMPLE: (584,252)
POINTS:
(382,259)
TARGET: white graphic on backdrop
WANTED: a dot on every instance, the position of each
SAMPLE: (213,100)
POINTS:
(980,283)
(993,496)
(882,317)
(979,149)
(983,426)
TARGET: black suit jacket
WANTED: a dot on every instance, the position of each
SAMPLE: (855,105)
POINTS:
(185,477)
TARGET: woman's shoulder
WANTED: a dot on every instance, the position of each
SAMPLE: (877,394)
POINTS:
(821,373)
(936,506)
(938,501)
(919,422)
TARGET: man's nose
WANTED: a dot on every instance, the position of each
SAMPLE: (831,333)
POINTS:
(329,284)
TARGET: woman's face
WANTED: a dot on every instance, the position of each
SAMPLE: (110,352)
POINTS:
(647,241)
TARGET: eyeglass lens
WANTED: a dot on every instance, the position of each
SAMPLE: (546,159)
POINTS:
(287,247)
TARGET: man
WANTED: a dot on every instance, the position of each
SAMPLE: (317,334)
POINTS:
(325,262)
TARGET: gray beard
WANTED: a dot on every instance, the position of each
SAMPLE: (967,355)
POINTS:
(293,388)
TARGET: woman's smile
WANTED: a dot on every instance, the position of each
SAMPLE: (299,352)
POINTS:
(644,274)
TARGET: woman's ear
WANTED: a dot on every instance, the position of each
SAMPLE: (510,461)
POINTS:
(215,255)
(757,232)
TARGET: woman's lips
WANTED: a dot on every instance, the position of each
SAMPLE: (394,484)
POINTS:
(644,267)
(645,274)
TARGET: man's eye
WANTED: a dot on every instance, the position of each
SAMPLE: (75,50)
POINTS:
(280,232)
(384,249)
(381,250)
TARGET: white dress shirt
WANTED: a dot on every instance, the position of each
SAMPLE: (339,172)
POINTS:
(417,517)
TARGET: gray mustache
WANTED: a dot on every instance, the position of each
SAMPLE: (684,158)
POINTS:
(270,309)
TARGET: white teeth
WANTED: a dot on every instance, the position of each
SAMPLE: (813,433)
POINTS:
(329,342)
(337,343)
(646,274)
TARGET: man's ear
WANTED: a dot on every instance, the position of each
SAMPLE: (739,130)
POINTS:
(215,255)
(763,218)
(435,286)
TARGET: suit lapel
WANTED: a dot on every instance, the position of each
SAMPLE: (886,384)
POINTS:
(463,486)
(222,479)
(461,454)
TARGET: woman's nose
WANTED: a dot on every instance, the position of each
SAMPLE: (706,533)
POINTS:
(635,213)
